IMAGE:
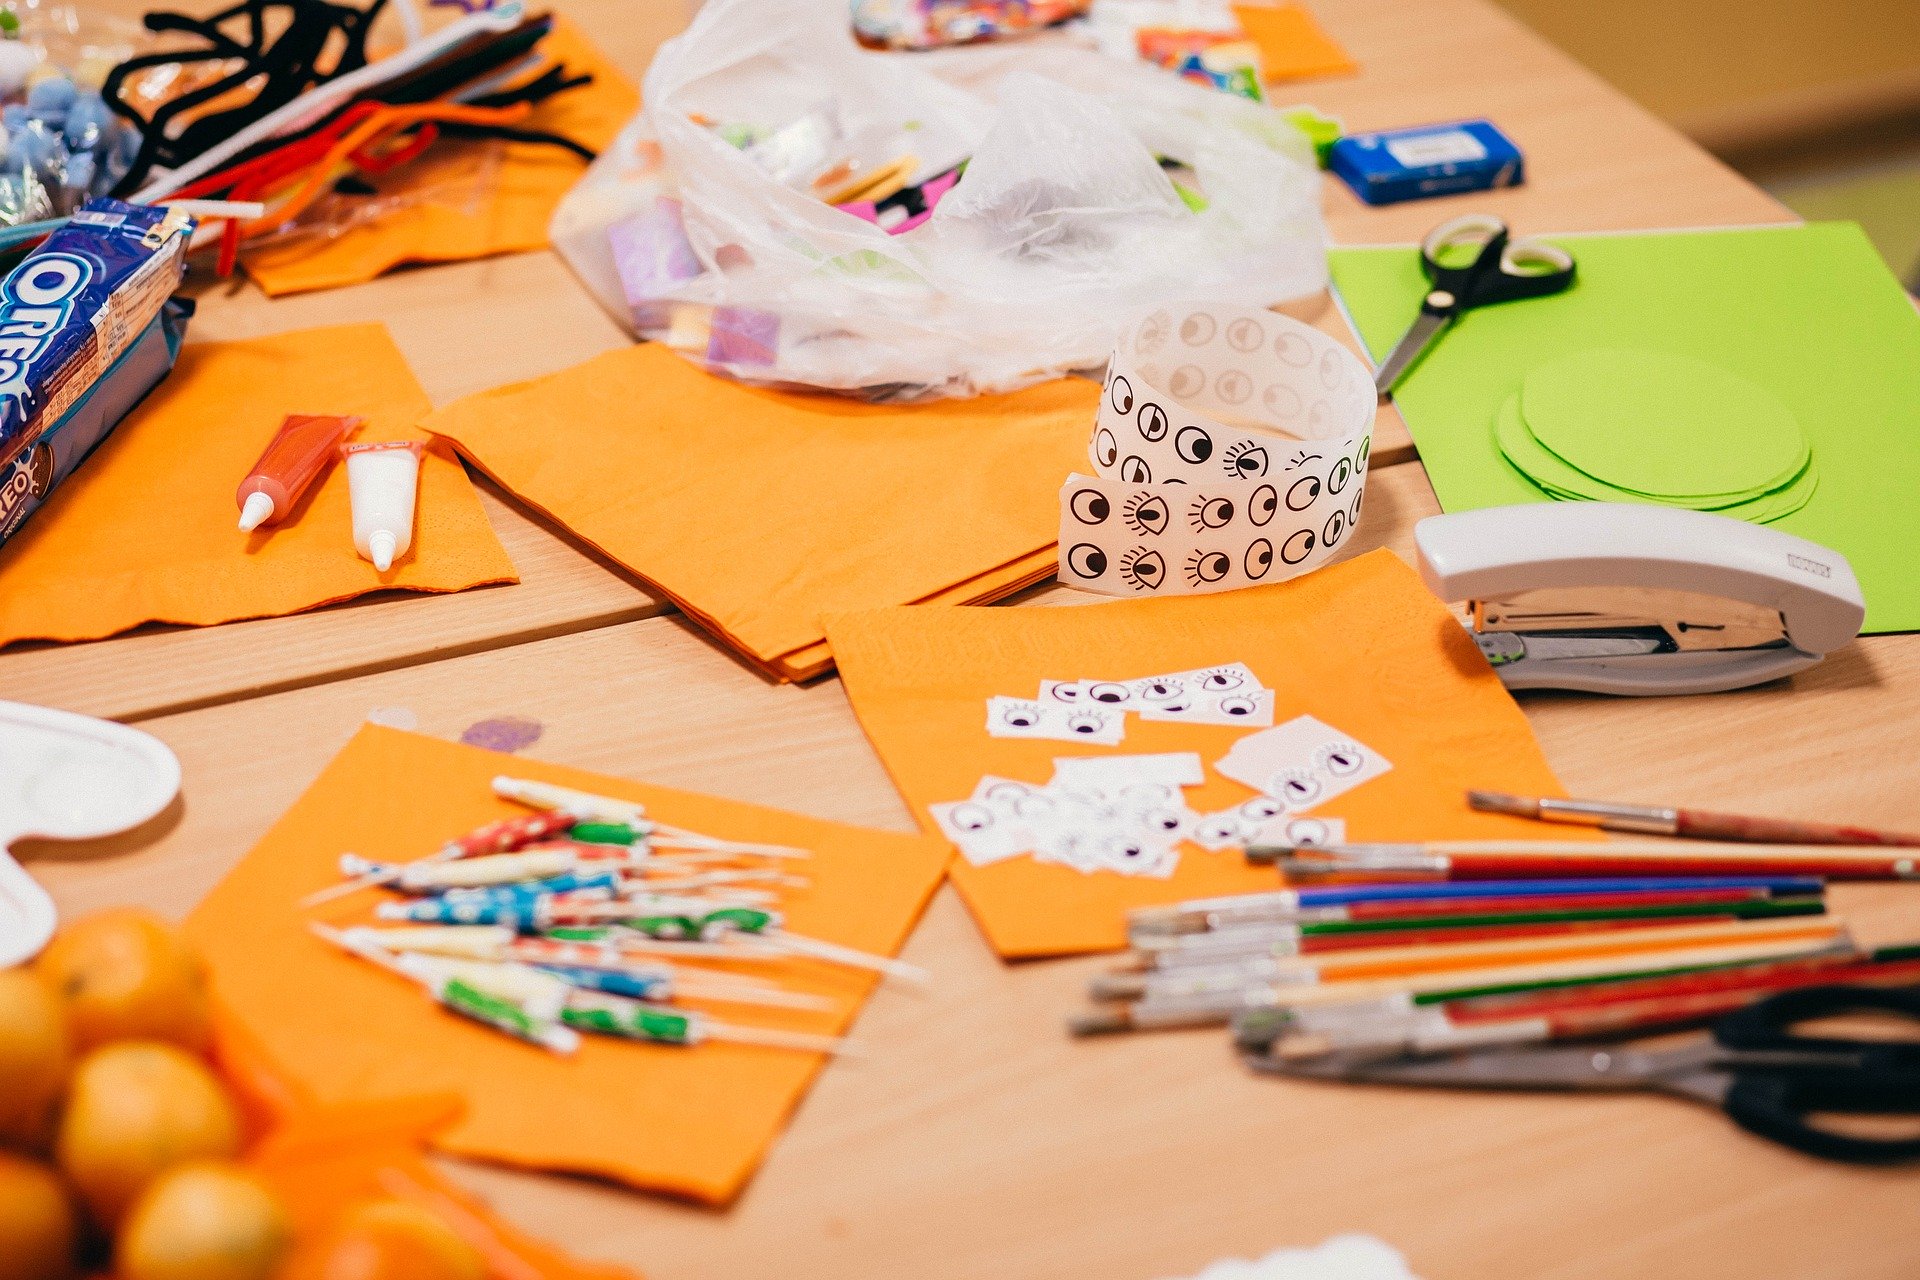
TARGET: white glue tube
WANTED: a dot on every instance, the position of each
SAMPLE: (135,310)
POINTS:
(382,480)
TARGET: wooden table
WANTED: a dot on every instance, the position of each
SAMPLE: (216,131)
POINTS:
(976,1139)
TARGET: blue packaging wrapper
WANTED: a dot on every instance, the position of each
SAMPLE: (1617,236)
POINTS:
(76,305)
(1432,160)
(61,448)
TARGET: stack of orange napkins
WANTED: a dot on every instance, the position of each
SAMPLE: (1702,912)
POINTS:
(692,1121)
(464,200)
(759,512)
(1362,646)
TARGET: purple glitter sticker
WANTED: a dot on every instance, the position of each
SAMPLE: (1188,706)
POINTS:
(503,733)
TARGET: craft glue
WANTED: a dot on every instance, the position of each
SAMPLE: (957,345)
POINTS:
(292,461)
(382,480)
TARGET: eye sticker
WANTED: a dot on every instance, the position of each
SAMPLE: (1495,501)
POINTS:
(1153,422)
(1261,506)
(1303,762)
(1342,472)
(1158,689)
(1297,547)
(1146,514)
(1302,493)
(1020,715)
(1238,706)
(1106,691)
(1222,679)
(1245,460)
(1216,831)
(980,834)
(1208,566)
(1089,506)
(1245,334)
(1197,329)
(1087,724)
(1233,386)
(1246,708)
(1261,809)
(1067,691)
(1144,569)
(1296,788)
(1342,760)
(1259,559)
(1021,718)
(1210,513)
(1193,445)
(1084,560)
(1121,394)
(1336,525)
(971,817)
(1134,470)
(1105,451)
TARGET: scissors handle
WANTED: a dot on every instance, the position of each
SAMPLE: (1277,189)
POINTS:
(1884,1078)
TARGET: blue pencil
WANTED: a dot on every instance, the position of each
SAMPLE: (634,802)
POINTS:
(1340,895)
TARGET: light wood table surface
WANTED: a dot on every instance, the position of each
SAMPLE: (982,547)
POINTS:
(976,1139)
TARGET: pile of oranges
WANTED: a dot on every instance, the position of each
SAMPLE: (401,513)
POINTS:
(120,1144)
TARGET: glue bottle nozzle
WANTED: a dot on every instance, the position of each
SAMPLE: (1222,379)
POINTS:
(258,510)
(380,549)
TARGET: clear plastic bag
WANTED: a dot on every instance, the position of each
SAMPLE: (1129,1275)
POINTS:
(1063,222)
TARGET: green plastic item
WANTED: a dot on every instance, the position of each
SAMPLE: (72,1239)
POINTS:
(1809,313)
(1322,131)
(657,1025)
(603,833)
(505,1015)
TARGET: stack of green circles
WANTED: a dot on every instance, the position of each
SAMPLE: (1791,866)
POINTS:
(1617,425)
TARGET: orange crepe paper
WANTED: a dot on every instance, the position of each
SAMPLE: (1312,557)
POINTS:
(758,511)
(1362,646)
(322,1161)
(1292,44)
(145,530)
(463,198)
(692,1121)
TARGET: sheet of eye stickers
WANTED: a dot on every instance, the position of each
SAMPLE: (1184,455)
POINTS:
(1122,813)
(1183,500)
(1301,763)
(1095,710)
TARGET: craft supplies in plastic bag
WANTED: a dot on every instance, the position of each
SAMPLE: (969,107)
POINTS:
(928,24)
(1063,219)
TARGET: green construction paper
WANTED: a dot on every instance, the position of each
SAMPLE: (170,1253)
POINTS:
(1662,424)
(1552,473)
(1808,312)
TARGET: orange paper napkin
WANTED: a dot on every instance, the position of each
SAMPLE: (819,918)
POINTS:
(1361,646)
(692,1121)
(760,511)
(1292,44)
(145,530)
(464,199)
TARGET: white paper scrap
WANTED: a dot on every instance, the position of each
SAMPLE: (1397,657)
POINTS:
(1302,763)
(1024,718)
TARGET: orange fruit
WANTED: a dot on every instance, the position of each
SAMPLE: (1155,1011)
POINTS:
(203,1220)
(127,974)
(39,1226)
(387,1240)
(34,1057)
(134,1110)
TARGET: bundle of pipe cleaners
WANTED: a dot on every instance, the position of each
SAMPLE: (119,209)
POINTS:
(297,111)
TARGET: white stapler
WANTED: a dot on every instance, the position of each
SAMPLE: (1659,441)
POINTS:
(1637,599)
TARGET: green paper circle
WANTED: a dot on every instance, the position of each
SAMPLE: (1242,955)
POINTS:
(1551,474)
(1664,425)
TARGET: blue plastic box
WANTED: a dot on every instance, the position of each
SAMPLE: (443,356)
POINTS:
(1432,160)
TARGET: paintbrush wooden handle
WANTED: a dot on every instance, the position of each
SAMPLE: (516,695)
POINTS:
(1519,865)
(1699,824)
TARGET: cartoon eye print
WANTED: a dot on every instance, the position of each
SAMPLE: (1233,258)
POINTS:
(1342,472)
(1336,525)
(1107,691)
(1121,394)
(1303,493)
(1146,795)
(1105,451)
(1007,793)
(1152,420)
(1145,569)
(1295,786)
(1187,381)
(1239,705)
(1179,704)
(1264,502)
(1193,444)
(1341,760)
(1262,809)
(1297,547)
(1034,805)
(1329,370)
(1259,559)
(1233,386)
(1153,331)
(1145,513)
(1317,419)
(1246,460)
(1220,828)
(1353,512)
(1245,334)
(970,818)
(1301,459)
(1063,692)
(1294,349)
(1021,715)
(1084,560)
(1310,832)
(1165,821)
(1086,722)
(1089,506)
(1125,849)
(1210,513)
(1135,470)
(1281,400)
(1366,448)
(1197,328)
(1207,566)
(1160,689)
(1221,680)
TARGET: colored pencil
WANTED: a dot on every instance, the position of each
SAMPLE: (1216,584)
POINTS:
(1506,860)
(1691,824)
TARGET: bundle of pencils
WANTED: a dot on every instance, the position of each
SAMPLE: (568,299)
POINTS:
(1203,962)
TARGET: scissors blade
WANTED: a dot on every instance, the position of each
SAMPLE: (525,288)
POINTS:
(1569,1068)
(1418,338)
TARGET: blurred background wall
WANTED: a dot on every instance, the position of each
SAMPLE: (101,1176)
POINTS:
(1816,100)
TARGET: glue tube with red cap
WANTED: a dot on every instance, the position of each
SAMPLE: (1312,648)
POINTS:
(292,461)
(382,481)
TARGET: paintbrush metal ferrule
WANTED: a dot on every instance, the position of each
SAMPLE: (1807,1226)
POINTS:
(1347,859)
(1652,820)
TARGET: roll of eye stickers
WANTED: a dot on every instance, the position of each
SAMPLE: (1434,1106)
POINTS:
(1230,451)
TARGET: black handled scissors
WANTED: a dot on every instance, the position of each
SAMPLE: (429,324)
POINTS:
(1753,1065)
(1473,261)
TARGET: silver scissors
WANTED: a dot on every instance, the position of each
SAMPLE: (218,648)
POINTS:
(1473,261)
